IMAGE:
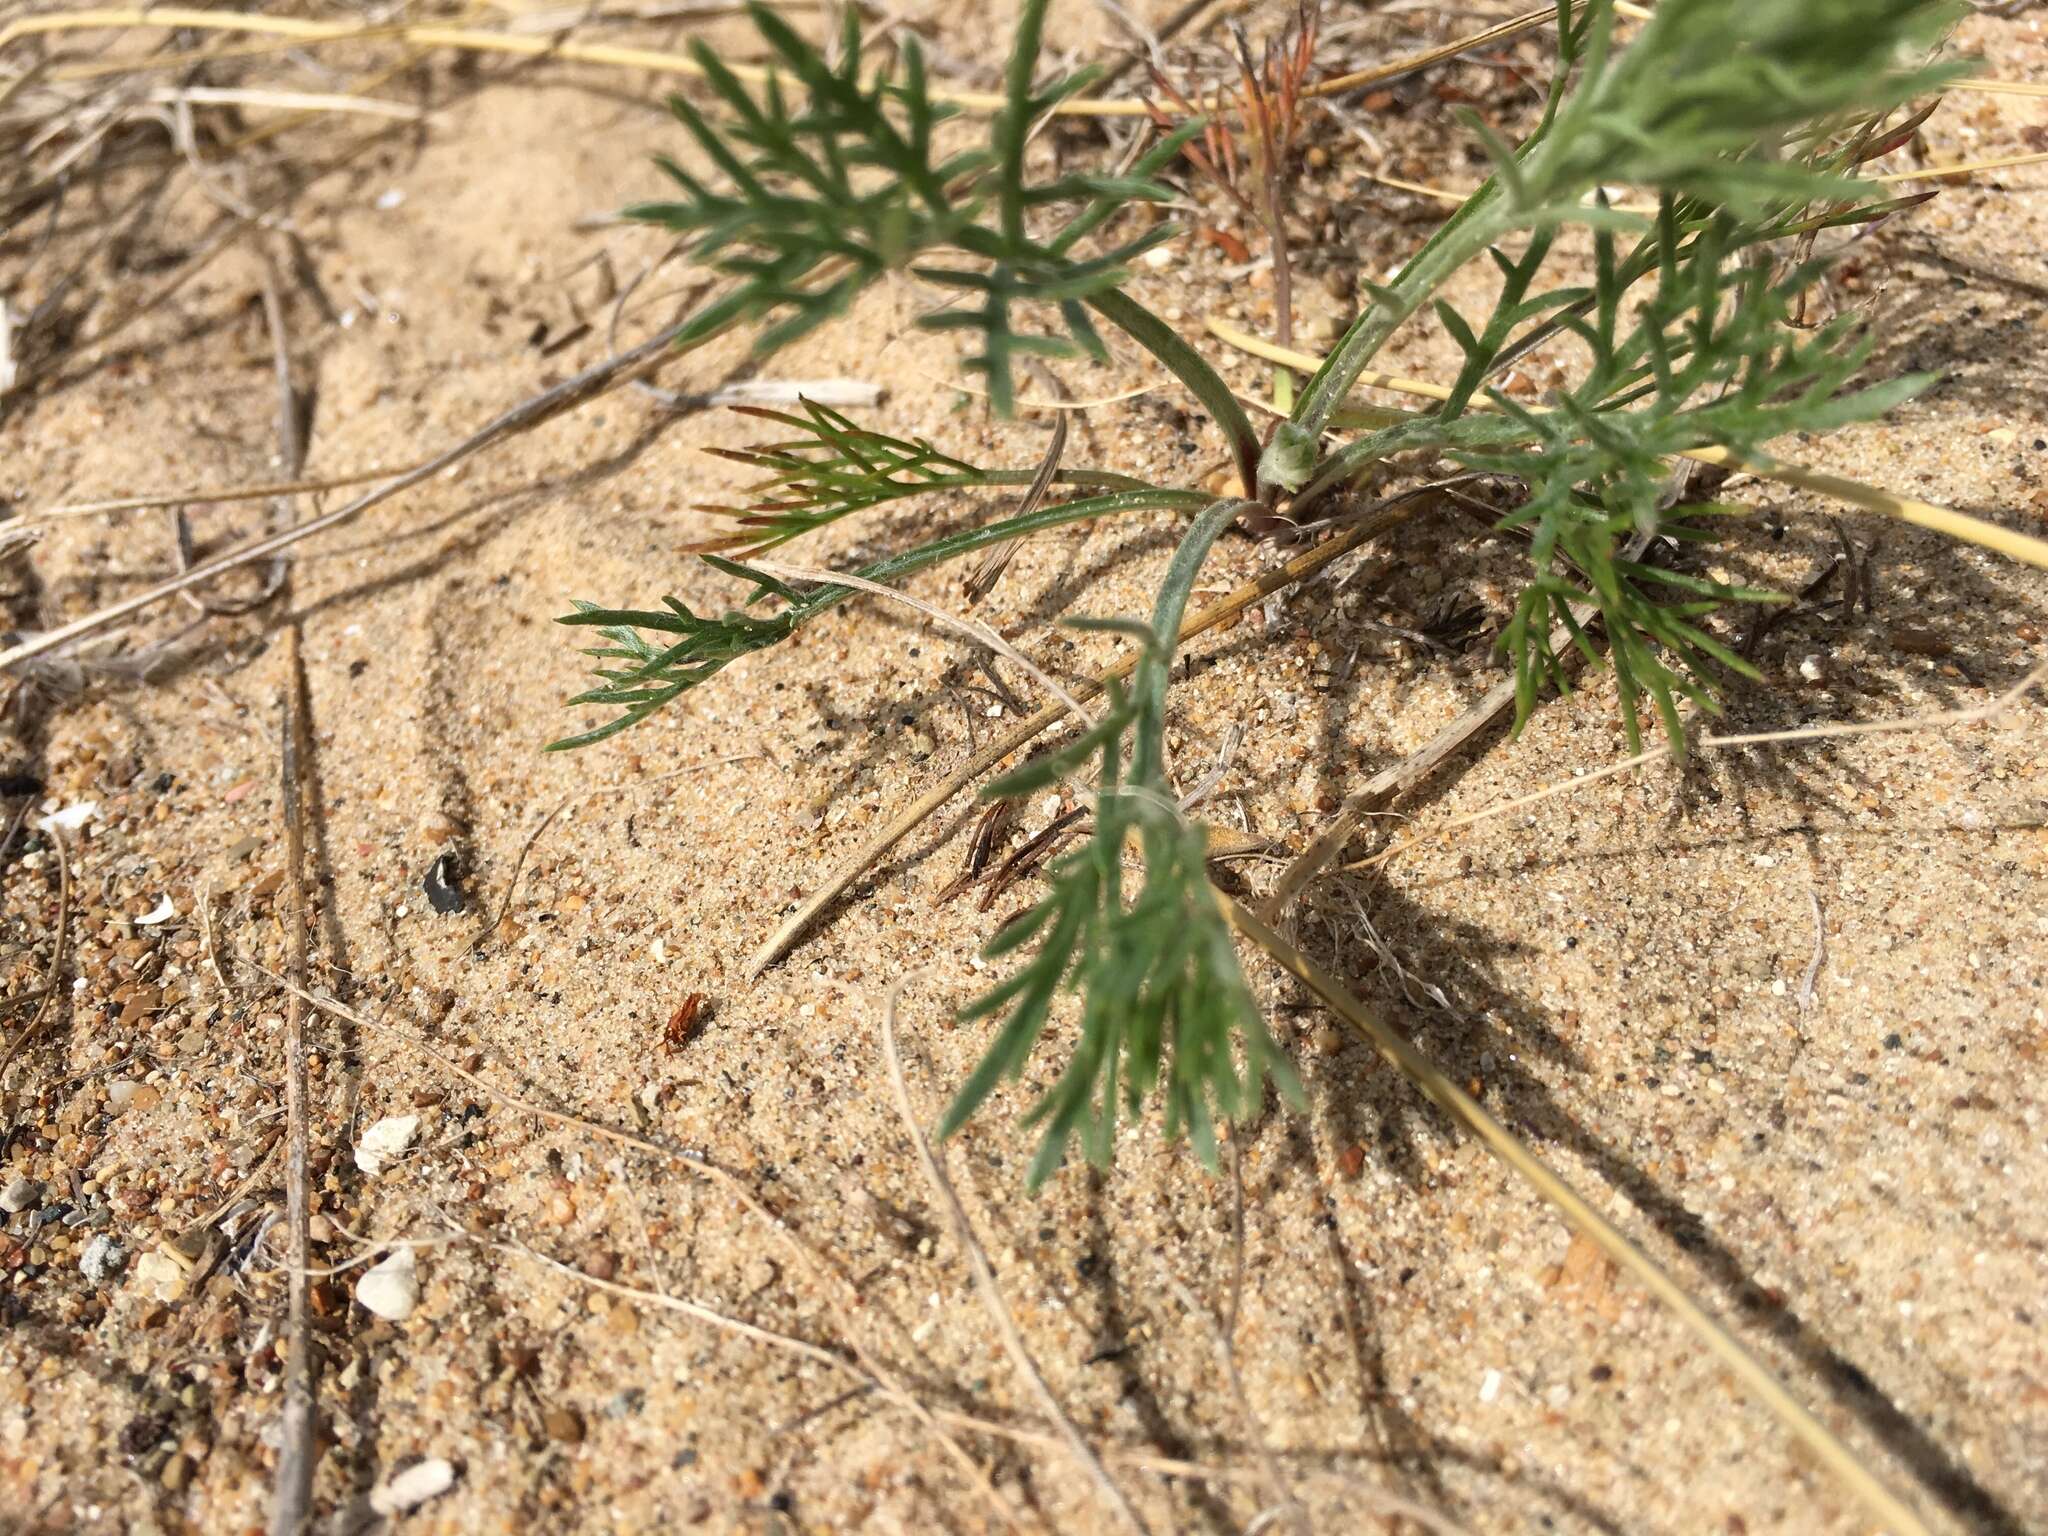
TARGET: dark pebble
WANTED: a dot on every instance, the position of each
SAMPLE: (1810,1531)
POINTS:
(443,893)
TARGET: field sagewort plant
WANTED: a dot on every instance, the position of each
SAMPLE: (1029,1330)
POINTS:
(1740,121)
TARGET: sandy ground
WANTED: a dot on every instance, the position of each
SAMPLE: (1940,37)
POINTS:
(1857,1185)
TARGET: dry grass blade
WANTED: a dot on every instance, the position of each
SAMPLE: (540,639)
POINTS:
(289,101)
(309,34)
(1226,1360)
(973,629)
(1960,526)
(1136,1459)
(787,1342)
(298,1441)
(200,498)
(1892,1512)
(1408,64)
(985,1281)
(989,570)
(863,861)
(1888,178)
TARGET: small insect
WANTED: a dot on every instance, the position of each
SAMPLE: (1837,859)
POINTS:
(683,1023)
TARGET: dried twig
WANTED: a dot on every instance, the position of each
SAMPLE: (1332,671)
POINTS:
(973,629)
(985,1282)
(50,988)
(1976,713)
(1382,788)
(298,1440)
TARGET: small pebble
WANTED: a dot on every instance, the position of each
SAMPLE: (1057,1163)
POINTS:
(19,1195)
(158,1272)
(177,1473)
(102,1260)
(384,1142)
(438,827)
(565,1425)
(421,1481)
(391,1289)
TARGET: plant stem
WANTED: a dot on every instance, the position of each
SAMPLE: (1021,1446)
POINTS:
(1189,366)
(869,856)
(1290,457)
(1148,753)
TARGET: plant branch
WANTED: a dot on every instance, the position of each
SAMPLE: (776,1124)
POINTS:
(2023,547)
(861,864)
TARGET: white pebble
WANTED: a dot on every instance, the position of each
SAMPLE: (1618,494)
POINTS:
(421,1481)
(386,1141)
(392,1288)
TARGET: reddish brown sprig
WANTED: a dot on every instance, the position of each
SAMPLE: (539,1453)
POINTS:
(1267,109)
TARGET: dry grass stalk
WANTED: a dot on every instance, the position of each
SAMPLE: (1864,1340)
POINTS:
(985,1283)
(50,991)
(648,356)
(1942,721)
(298,1435)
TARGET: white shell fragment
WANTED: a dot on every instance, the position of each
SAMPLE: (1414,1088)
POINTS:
(391,1289)
(70,819)
(162,912)
(421,1481)
(385,1142)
